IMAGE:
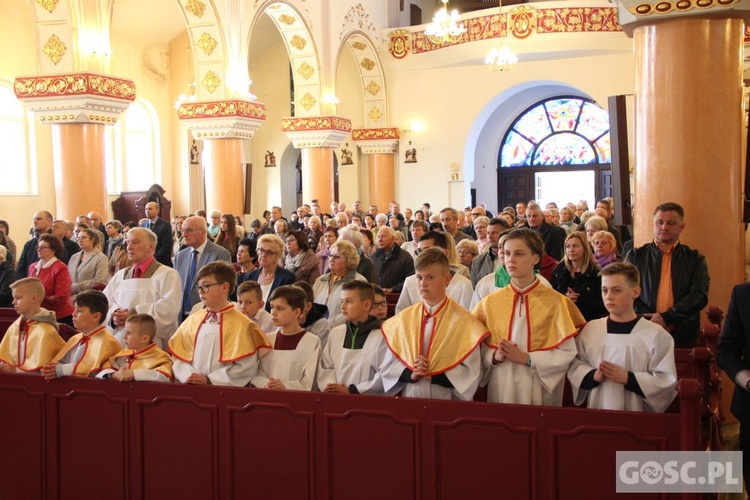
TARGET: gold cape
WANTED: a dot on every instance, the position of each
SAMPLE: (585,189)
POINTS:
(551,317)
(148,358)
(457,333)
(239,337)
(100,345)
(42,343)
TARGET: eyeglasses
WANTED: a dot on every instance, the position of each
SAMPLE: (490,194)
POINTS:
(335,257)
(263,251)
(379,304)
(205,288)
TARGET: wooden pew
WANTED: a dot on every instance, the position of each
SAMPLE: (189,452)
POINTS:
(7,316)
(391,300)
(150,440)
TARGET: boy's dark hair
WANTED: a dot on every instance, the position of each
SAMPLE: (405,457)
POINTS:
(432,257)
(95,300)
(292,295)
(252,287)
(307,288)
(439,238)
(145,324)
(377,289)
(631,273)
(363,288)
(222,272)
(671,207)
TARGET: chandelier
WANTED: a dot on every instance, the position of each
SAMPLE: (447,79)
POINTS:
(502,59)
(445,27)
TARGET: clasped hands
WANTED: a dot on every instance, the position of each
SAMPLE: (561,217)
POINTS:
(508,350)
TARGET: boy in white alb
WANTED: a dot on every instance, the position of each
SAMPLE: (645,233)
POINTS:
(293,361)
(141,360)
(353,356)
(434,344)
(217,345)
(624,362)
(85,353)
(250,302)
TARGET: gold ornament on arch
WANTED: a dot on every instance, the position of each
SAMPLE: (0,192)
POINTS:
(287,19)
(207,43)
(298,42)
(195,7)
(368,63)
(48,5)
(54,49)
(305,70)
(211,82)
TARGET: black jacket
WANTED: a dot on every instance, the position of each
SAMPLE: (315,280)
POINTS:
(734,347)
(690,282)
(554,240)
(7,278)
(393,271)
(587,284)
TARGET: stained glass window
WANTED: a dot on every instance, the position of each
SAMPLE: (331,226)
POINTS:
(559,131)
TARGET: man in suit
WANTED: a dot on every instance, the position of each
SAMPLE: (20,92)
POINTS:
(42,222)
(734,359)
(163,231)
(554,237)
(197,253)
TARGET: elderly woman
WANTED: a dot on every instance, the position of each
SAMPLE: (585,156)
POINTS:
(314,232)
(299,258)
(227,235)
(114,236)
(566,219)
(366,267)
(593,225)
(466,250)
(330,235)
(344,260)
(418,229)
(280,228)
(605,248)
(53,274)
(396,225)
(577,277)
(480,227)
(270,275)
(7,278)
(89,267)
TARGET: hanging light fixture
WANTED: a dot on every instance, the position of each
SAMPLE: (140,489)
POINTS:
(445,27)
(502,59)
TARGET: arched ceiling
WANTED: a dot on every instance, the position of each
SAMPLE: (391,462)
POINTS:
(153,20)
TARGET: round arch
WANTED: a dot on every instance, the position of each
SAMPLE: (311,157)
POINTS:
(484,140)
(303,54)
(371,75)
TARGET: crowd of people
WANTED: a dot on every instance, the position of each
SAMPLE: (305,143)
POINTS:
(513,301)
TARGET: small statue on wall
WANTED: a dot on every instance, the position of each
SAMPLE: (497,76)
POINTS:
(346,156)
(270,159)
(195,155)
(411,155)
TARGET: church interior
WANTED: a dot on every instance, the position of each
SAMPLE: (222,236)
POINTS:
(241,105)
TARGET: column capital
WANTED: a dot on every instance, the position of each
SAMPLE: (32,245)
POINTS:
(75,97)
(316,131)
(230,119)
(376,140)
(634,13)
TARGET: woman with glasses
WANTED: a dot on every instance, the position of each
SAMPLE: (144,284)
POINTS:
(299,259)
(53,274)
(270,275)
(89,267)
(343,259)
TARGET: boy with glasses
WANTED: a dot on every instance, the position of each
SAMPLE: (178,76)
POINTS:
(217,345)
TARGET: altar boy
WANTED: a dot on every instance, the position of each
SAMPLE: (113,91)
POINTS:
(353,356)
(624,361)
(85,353)
(32,340)
(434,344)
(216,345)
(141,360)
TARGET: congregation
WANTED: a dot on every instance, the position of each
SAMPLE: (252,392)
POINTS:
(514,301)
